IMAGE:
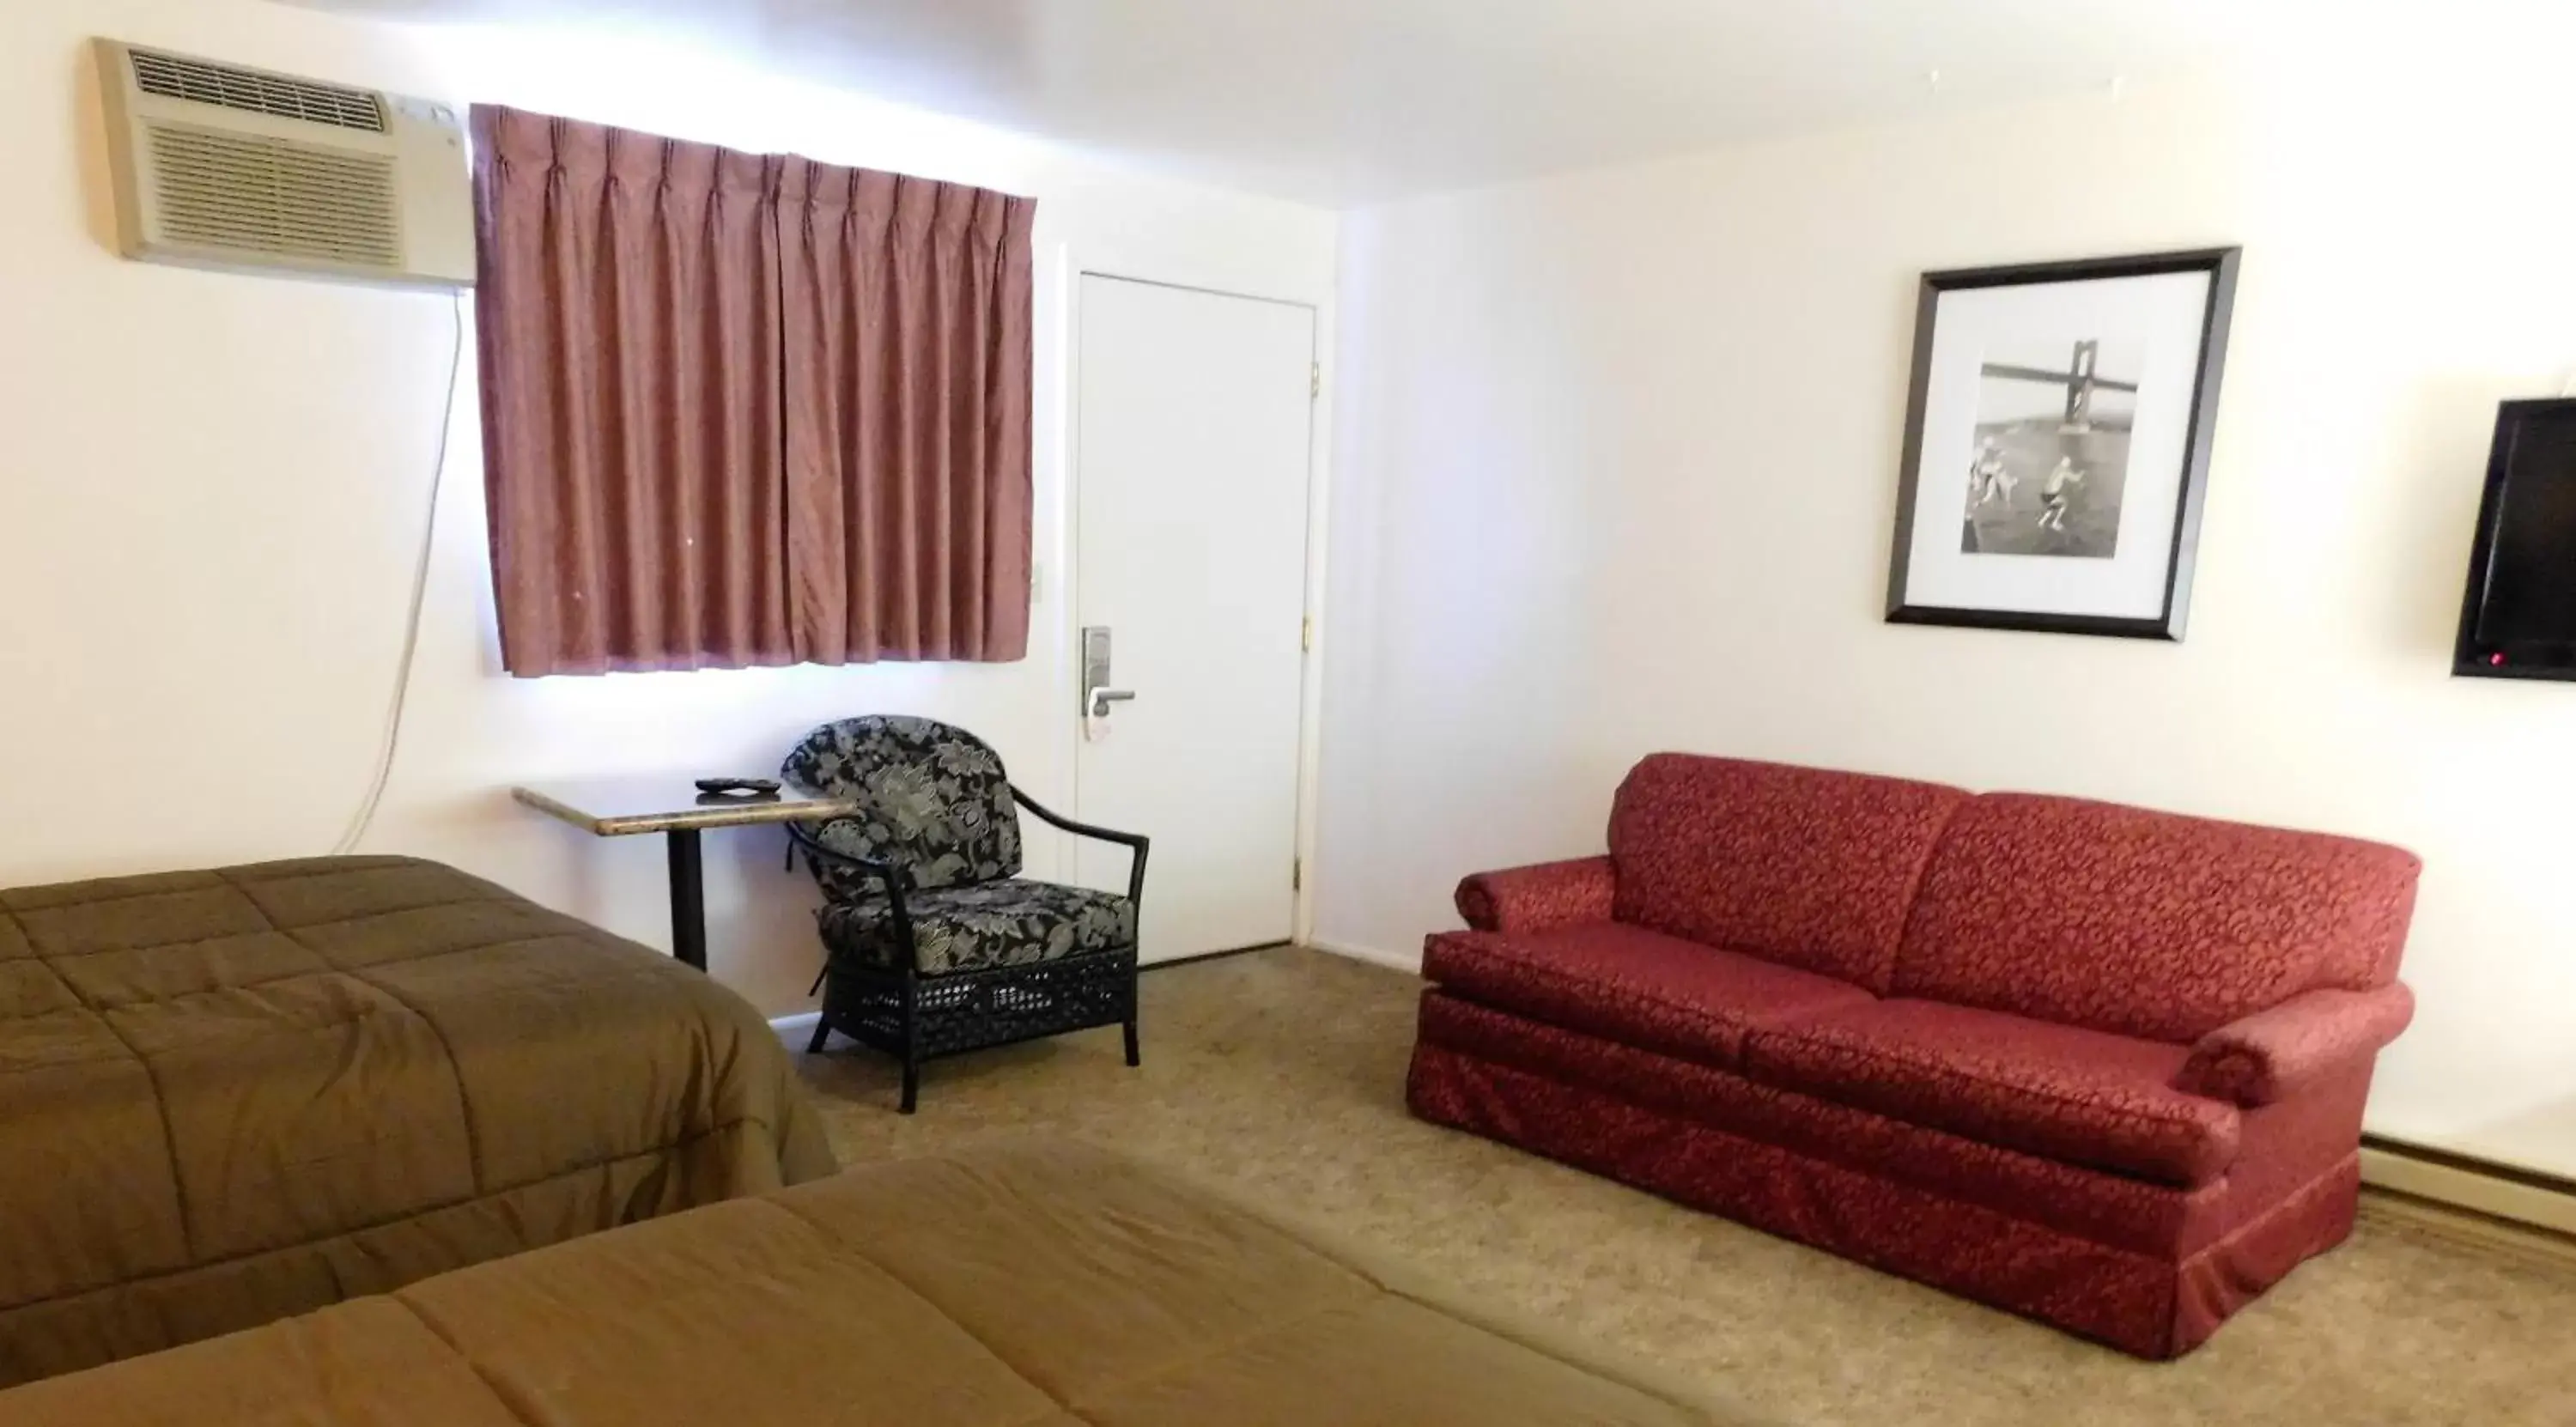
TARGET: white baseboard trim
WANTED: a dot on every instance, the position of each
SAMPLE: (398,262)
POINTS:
(795,1030)
(1409,963)
(2445,1179)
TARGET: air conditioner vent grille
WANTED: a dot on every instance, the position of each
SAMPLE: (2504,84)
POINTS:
(277,198)
(172,77)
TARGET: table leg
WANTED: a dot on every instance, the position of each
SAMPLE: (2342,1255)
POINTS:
(688,899)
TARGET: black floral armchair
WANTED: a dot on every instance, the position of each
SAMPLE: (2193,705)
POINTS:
(933,942)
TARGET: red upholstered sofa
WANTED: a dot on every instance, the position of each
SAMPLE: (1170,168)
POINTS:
(2094,1064)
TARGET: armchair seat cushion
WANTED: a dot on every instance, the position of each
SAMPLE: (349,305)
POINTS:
(2060,1092)
(982,925)
(1627,984)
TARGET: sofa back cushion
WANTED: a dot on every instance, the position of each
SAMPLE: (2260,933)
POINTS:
(2144,923)
(1802,866)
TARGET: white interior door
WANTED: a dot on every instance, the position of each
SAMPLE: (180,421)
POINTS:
(1194,428)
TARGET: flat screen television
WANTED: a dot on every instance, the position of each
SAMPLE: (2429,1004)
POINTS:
(2519,618)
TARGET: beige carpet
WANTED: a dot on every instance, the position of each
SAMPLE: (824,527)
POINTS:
(1282,1072)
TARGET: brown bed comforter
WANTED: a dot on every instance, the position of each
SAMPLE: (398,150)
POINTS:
(1006,1285)
(234,1095)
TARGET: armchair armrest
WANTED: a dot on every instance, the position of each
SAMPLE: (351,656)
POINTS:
(1135,842)
(800,837)
(1539,897)
(2274,1054)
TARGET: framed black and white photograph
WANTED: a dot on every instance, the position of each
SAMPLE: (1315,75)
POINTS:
(2057,444)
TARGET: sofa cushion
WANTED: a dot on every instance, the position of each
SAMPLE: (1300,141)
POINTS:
(1631,985)
(1802,866)
(2145,923)
(2081,1096)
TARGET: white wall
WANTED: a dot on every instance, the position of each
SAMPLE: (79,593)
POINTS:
(212,490)
(1617,460)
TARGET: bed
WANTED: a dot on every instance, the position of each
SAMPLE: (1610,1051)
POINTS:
(1007,1284)
(228,1096)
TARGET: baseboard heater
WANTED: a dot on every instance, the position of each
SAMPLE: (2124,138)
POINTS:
(2499,1191)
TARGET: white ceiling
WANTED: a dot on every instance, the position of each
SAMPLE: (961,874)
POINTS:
(1347,101)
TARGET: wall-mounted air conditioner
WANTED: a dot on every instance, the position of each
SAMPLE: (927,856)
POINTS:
(215,164)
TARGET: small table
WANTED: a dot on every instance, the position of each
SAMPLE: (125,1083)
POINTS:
(622,807)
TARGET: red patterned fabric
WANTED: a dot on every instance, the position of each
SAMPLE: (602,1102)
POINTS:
(2278,1053)
(2153,1304)
(2284,1146)
(2144,923)
(2029,1122)
(1631,985)
(2122,1212)
(2080,1096)
(2212,1284)
(1539,897)
(2288,1145)
(1802,866)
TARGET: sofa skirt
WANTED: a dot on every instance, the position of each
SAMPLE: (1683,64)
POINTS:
(2156,1284)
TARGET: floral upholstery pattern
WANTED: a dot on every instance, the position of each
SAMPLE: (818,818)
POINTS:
(1803,866)
(2282,1146)
(994,957)
(2116,1082)
(1539,898)
(2149,1269)
(2147,1305)
(983,925)
(2084,1097)
(937,802)
(2145,923)
(1631,985)
(2274,1054)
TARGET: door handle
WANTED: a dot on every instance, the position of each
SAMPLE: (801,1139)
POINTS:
(1097,696)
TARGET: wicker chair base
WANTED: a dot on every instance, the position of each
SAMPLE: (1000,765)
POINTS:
(922,1018)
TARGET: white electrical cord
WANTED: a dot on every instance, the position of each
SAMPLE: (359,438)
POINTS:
(392,743)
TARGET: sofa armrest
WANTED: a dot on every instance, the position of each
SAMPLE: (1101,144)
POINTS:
(2273,1055)
(1539,897)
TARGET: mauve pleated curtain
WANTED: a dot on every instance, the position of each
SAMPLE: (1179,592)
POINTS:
(907,321)
(746,410)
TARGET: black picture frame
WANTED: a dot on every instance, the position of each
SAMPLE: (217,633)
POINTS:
(2221,265)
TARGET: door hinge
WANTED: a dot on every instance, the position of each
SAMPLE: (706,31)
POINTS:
(1306,635)
(1297,875)
(1314,379)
